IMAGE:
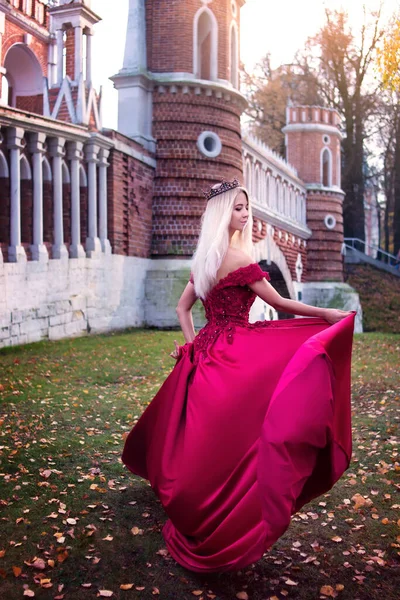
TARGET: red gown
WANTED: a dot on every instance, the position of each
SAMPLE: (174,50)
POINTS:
(253,422)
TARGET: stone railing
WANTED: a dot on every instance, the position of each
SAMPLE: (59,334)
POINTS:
(53,188)
(34,9)
(278,195)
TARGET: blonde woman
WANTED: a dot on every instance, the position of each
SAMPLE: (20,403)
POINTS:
(254,419)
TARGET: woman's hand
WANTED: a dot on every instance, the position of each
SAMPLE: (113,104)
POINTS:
(333,315)
(175,353)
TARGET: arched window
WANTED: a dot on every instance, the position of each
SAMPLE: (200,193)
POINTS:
(205,50)
(326,167)
(234,57)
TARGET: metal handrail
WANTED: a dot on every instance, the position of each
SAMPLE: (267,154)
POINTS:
(350,243)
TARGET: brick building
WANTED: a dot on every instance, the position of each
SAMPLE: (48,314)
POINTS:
(97,227)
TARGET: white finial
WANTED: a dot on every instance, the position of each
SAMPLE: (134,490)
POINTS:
(135,58)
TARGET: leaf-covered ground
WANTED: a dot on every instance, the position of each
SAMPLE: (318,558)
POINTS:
(75,524)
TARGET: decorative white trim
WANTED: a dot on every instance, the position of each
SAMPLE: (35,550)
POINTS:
(47,175)
(25,168)
(83,181)
(4,170)
(234,65)
(214,43)
(279,220)
(65,172)
(315,127)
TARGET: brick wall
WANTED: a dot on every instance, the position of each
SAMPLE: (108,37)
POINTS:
(183,172)
(70,53)
(32,104)
(170,34)
(130,191)
(325,261)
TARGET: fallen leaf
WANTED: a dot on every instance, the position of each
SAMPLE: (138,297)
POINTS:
(126,586)
(108,538)
(197,592)
(105,593)
(29,593)
(242,596)
(17,571)
(336,539)
(327,590)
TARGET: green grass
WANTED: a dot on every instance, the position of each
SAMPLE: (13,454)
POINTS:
(65,408)
(379,295)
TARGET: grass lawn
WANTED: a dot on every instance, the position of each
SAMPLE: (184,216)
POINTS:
(75,524)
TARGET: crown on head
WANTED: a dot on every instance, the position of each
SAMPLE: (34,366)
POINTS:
(224,186)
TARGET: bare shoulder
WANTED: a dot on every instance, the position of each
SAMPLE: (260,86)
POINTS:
(233,260)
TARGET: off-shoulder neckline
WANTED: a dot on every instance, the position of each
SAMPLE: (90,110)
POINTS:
(235,271)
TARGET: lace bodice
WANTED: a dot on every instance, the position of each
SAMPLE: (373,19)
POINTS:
(228,304)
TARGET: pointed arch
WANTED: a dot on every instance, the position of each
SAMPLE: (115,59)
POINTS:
(247,175)
(4,171)
(205,44)
(82,177)
(234,55)
(47,176)
(65,173)
(25,168)
(326,167)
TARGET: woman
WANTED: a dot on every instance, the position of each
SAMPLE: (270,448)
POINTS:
(254,419)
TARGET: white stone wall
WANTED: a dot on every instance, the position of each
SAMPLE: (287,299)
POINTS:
(64,298)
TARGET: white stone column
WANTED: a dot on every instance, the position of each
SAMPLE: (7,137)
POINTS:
(60,56)
(37,148)
(78,52)
(103,165)
(56,147)
(93,245)
(89,59)
(2,69)
(16,252)
(76,249)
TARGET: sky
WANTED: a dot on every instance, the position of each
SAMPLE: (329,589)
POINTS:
(279,28)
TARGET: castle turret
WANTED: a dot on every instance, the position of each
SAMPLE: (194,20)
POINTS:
(313,142)
(178,93)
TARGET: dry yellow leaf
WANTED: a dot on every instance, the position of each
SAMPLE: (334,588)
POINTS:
(126,586)
(17,571)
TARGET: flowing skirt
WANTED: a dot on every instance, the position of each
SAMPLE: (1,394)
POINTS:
(236,442)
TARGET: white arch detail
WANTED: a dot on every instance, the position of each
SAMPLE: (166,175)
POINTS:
(269,250)
(47,176)
(65,173)
(234,54)
(4,171)
(214,44)
(26,171)
(83,182)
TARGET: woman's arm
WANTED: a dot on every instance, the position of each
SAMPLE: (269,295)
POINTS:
(184,312)
(265,290)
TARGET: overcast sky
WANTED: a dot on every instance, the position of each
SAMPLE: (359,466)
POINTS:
(280,28)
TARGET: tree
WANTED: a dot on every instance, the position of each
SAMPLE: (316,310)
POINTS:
(389,64)
(269,91)
(343,65)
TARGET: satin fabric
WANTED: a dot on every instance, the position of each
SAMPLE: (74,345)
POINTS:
(235,443)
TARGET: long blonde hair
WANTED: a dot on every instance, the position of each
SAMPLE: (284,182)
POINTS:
(214,239)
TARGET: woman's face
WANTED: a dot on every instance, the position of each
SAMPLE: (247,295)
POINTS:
(240,213)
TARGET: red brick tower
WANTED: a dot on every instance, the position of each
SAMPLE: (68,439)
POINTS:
(313,147)
(182,75)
